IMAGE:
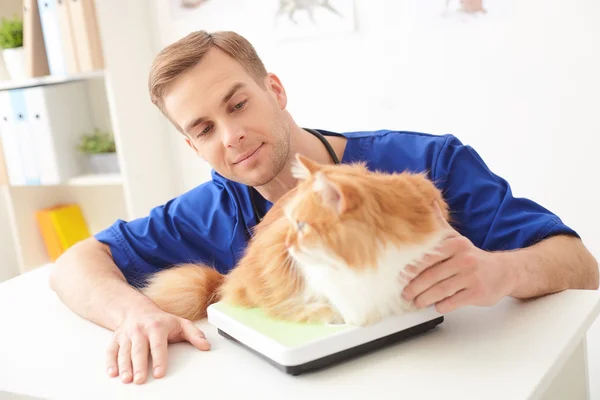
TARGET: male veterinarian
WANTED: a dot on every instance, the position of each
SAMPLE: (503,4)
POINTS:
(232,113)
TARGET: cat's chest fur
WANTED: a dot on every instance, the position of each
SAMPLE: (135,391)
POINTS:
(366,295)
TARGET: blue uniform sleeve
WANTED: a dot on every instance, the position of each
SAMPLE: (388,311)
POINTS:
(198,226)
(482,204)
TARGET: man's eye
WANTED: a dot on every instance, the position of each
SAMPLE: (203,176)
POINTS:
(240,105)
(205,130)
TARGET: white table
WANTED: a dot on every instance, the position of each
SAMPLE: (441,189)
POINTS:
(515,350)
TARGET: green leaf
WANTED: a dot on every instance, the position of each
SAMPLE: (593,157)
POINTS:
(11,33)
(97,142)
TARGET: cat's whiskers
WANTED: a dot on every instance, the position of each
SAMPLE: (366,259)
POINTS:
(323,257)
(288,265)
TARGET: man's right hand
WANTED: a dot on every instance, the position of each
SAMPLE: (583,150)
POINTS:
(148,333)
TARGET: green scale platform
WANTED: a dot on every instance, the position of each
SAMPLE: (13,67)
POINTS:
(301,347)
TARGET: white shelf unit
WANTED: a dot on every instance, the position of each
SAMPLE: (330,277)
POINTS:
(48,80)
(120,103)
(100,204)
(96,179)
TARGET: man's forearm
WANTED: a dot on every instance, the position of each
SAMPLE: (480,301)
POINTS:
(555,264)
(88,282)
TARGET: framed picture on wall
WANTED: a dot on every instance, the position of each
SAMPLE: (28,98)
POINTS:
(297,19)
(180,8)
(485,11)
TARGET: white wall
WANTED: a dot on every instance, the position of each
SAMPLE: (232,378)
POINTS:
(11,9)
(521,85)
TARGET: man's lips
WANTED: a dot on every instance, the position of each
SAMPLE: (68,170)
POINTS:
(247,155)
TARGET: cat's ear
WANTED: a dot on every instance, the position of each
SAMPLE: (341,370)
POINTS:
(303,167)
(330,193)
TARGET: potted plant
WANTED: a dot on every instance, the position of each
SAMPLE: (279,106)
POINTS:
(11,43)
(99,152)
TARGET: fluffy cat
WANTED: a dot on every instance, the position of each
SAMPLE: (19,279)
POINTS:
(329,251)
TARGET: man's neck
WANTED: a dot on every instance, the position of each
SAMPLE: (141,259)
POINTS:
(308,145)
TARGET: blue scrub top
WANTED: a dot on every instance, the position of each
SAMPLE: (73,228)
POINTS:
(211,222)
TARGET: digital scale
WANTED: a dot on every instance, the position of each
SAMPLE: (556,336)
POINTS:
(296,348)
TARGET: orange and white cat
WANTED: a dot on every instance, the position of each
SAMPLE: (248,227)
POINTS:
(329,251)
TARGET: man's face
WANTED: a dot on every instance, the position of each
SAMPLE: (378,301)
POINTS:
(232,122)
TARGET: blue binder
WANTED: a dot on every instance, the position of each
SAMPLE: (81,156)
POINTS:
(24,138)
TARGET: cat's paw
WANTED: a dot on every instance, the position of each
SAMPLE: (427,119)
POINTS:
(335,319)
(363,320)
(409,306)
(328,317)
(320,314)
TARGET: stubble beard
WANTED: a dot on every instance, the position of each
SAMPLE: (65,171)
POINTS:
(278,160)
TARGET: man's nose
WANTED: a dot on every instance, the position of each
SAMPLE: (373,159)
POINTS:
(233,135)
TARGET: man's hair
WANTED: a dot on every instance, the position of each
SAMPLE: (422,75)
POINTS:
(184,54)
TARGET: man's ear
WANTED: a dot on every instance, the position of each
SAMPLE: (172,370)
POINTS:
(274,85)
(192,145)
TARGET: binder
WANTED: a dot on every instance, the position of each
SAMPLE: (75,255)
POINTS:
(36,61)
(52,37)
(40,128)
(59,115)
(3,171)
(14,130)
(49,236)
(42,132)
(24,138)
(67,36)
(8,136)
(61,227)
(86,35)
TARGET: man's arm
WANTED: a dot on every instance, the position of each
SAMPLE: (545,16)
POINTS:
(460,274)
(87,280)
(555,264)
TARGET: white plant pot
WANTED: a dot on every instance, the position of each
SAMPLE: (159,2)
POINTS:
(14,60)
(103,163)
(4,76)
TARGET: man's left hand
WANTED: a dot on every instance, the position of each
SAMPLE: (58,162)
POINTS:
(457,274)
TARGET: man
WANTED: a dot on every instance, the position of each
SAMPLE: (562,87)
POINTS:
(232,113)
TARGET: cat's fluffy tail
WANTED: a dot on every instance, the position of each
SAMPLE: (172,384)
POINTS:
(185,290)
